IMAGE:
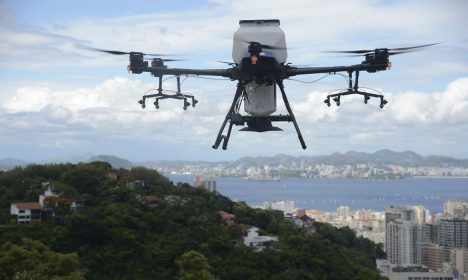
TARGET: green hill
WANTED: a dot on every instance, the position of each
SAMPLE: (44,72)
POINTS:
(120,235)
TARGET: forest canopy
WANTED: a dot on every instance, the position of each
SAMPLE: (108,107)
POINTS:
(136,224)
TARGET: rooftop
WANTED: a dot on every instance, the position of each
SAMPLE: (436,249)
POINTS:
(28,205)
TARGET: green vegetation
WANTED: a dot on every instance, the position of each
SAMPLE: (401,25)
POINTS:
(120,235)
(31,259)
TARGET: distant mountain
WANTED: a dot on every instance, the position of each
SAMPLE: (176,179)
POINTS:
(116,162)
(70,159)
(9,163)
(382,157)
(406,158)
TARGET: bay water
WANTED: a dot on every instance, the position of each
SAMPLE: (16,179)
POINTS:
(328,194)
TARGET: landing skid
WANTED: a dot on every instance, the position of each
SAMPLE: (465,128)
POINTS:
(254,123)
(160,96)
(354,89)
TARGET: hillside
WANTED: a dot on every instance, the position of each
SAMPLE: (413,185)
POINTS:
(120,235)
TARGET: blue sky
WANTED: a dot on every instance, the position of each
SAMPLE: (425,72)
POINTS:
(58,100)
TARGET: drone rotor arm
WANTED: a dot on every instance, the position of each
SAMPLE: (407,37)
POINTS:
(295,71)
(161,71)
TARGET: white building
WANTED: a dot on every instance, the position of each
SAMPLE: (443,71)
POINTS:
(26,212)
(403,243)
(421,214)
(363,214)
(286,206)
(258,242)
(47,193)
(375,236)
(456,209)
(342,212)
(394,272)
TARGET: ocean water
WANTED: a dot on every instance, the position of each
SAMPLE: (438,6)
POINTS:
(328,194)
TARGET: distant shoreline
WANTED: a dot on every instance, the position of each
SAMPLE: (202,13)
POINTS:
(441,177)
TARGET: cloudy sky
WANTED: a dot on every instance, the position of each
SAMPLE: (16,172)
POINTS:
(58,100)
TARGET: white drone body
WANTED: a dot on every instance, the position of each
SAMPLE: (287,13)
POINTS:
(261,99)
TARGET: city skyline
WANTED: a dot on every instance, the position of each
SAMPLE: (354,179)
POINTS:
(59,100)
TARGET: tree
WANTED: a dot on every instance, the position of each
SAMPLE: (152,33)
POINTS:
(31,259)
(194,266)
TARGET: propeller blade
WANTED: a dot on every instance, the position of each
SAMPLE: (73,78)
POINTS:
(271,47)
(157,54)
(105,51)
(226,62)
(355,51)
(364,52)
(264,46)
(172,59)
(400,52)
(115,52)
(414,47)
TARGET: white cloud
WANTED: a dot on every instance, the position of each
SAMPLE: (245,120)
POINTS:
(59,116)
(56,114)
(309,26)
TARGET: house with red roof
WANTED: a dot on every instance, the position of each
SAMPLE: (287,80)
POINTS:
(26,212)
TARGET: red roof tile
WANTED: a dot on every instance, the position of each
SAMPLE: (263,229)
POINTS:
(28,205)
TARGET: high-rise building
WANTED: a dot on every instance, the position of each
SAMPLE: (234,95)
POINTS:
(453,234)
(430,233)
(393,213)
(457,209)
(363,214)
(432,256)
(342,211)
(206,182)
(459,260)
(396,214)
(421,214)
(403,243)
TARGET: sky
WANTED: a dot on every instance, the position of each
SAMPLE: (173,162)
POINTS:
(59,100)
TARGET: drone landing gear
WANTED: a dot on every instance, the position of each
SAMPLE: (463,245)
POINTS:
(354,89)
(160,96)
(254,123)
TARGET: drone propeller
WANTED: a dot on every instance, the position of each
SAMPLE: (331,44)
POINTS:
(264,46)
(227,62)
(171,59)
(114,52)
(391,51)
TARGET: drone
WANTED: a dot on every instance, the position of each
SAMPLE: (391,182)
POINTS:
(259,54)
